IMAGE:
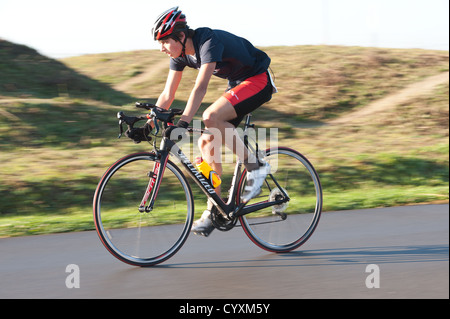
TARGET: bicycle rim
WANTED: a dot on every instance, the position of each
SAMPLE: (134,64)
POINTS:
(285,227)
(142,238)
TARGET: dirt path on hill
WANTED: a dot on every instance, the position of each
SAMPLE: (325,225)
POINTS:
(414,90)
(148,74)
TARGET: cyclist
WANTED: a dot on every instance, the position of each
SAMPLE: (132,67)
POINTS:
(219,53)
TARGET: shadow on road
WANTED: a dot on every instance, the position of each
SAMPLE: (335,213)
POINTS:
(332,257)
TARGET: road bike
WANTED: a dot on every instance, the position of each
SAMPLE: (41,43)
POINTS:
(144,205)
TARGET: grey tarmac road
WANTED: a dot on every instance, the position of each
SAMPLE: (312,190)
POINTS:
(409,245)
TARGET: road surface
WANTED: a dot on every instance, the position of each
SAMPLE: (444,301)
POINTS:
(409,247)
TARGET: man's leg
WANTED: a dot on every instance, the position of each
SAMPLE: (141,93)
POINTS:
(217,117)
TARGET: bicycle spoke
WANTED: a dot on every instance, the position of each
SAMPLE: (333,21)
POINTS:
(134,235)
(286,226)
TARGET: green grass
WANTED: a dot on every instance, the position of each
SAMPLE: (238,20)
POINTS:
(26,73)
(58,136)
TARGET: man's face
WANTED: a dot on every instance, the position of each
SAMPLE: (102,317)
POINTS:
(171,47)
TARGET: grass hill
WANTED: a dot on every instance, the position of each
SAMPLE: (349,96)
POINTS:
(316,83)
(58,128)
(25,73)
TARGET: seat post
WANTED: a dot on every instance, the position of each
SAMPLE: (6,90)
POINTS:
(246,127)
(247,121)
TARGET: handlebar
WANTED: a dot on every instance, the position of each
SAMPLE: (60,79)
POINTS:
(128,120)
(156,113)
(146,106)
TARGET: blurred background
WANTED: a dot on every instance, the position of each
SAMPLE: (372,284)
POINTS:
(363,94)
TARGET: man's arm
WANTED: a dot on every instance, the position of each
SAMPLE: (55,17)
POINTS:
(199,91)
(166,98)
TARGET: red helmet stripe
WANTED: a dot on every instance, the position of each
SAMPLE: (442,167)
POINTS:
(173,17)
(169,16)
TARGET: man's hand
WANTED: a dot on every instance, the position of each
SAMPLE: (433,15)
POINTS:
(176,132)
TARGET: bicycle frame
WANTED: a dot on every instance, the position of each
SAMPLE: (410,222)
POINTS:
(231,209)
(136,242)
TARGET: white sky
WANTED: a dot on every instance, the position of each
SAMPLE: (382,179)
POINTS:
(59,28)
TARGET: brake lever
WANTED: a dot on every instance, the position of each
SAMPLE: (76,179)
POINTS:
(119,116)
(121,129)
(156,127)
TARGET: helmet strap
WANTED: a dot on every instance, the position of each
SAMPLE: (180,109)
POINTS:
(183,53)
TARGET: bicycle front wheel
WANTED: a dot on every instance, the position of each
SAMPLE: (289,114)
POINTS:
(131,234)
(287,226)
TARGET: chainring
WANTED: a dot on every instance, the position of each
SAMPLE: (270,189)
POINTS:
(221,222)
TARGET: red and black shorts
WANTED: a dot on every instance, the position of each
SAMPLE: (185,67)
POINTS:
(249,95)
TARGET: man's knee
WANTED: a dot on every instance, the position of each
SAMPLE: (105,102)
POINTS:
(210,118)
(219,113)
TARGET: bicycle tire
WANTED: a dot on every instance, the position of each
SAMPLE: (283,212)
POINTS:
(298,178)
(142,238)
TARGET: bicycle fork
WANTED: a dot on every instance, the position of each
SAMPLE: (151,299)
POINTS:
(155,176)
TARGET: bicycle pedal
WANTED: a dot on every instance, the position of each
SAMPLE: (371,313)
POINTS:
(202,233)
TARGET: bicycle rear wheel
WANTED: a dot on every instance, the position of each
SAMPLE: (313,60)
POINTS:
(285,227)
(133,235)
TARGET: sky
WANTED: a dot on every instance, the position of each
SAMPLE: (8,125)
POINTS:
(61,28)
